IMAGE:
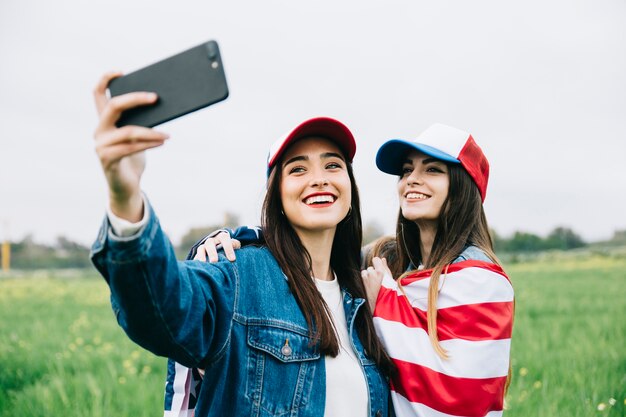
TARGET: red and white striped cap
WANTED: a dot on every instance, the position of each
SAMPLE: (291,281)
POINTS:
(442,142)
(324,127)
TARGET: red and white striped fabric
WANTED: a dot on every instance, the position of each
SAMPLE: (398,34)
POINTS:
(474,325)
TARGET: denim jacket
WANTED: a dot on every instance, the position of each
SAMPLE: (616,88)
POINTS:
(473,253)
(236,320)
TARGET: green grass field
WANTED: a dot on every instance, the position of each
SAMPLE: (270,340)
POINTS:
(62,353)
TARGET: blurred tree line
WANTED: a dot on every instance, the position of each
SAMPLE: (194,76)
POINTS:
(561,238)
(65,253)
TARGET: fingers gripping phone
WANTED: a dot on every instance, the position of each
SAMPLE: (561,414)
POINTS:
(185,82)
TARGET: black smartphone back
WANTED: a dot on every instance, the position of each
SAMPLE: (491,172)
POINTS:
(185,82)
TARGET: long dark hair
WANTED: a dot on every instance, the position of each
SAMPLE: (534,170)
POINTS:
(462,222)
(296,263)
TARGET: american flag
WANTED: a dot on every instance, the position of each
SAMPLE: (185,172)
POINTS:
(181,390)
(474,325)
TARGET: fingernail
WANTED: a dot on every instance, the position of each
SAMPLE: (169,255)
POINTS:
(151,96)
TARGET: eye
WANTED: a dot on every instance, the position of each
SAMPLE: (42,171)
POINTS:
(436,168)
(406,170)
(296,169)
(334,165)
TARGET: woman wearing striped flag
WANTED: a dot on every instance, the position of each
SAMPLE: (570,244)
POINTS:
(446,321)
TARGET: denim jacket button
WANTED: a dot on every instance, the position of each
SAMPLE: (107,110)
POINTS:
(379,413)
(286,349)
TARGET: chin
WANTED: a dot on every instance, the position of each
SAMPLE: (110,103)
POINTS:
(413,216)
(323,225)
(318,225)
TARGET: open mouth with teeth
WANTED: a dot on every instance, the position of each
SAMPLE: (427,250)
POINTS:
(416,196)
(320,200)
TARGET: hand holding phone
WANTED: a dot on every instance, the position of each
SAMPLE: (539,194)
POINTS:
(121,150)
(185,82)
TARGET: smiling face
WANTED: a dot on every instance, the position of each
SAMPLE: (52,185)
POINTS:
(315,187)
(423,188)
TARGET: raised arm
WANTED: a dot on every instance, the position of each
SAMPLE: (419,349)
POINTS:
(175,309)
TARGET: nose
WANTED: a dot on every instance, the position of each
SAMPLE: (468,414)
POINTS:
(414,178)
(319,182)
(318,178)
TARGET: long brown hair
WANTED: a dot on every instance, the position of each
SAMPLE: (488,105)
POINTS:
(462,223)
(295,261)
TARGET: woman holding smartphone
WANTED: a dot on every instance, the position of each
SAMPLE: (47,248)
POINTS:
(284,330)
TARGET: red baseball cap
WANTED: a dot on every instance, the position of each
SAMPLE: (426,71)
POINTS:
(324,127)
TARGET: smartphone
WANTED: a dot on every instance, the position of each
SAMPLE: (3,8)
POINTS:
(185,82)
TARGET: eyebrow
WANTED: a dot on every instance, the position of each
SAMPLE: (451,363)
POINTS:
(325,155)
(424,161)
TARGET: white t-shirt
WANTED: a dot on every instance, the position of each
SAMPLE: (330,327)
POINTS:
(346,389)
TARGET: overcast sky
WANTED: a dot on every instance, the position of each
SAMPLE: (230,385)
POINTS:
(540,84)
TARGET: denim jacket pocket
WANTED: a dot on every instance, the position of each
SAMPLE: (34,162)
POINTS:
(282,365)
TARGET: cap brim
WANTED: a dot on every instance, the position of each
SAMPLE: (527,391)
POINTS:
(393,153)
(324,127)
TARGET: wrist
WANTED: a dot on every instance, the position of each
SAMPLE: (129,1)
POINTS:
(129,208)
